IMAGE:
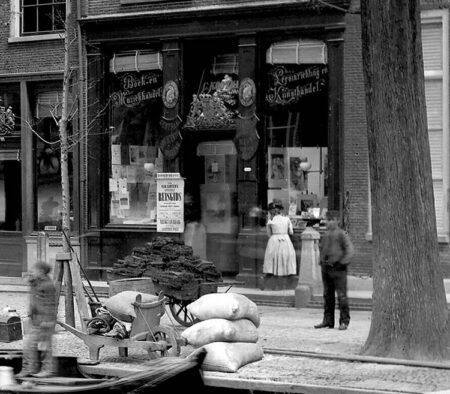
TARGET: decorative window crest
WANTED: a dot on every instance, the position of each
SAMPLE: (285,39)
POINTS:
(7,120)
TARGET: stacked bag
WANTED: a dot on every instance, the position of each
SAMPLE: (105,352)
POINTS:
(227,330)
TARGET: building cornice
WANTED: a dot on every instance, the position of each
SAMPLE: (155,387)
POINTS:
(211,9)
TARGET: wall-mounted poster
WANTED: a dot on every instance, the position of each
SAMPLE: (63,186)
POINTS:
(278,168)
(169,203)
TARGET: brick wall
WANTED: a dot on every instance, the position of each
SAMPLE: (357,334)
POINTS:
(17,58)
(356,180)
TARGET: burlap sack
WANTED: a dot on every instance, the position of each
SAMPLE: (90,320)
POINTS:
(121,305)
(230,356)
(220,330)
(231,306)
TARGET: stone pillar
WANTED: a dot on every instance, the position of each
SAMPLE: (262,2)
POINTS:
(309,275)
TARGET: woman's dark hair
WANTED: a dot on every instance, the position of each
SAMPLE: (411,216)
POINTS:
(279,206)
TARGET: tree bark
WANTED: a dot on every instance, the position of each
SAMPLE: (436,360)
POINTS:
(409,315)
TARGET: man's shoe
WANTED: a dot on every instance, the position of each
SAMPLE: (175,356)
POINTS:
(343,326)
(43,375)
(324,325)
(23,374)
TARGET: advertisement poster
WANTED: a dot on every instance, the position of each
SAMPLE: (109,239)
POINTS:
(278,168)
(169,203)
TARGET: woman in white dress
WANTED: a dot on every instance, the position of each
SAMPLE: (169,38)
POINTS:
(279,258)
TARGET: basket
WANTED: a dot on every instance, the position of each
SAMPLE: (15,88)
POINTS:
(142,285)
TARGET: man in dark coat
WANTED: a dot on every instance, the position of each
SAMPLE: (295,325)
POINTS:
(336,250)
(42,309)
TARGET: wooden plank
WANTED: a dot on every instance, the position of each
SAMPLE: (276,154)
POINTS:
(82,305)
(210,379)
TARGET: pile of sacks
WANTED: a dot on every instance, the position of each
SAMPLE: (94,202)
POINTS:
(227,330)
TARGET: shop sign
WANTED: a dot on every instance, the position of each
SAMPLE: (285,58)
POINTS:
(247,138)
(170,145)
(136,88)
(247,92)
(288,84)
(169,203)
(170,94)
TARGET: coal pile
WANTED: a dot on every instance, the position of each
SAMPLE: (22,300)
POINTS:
(169,262)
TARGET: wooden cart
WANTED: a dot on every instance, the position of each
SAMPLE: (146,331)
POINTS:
(179,298)
(146,333)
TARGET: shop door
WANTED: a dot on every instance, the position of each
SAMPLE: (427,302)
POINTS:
(10,213)
(218,202)
(211,202)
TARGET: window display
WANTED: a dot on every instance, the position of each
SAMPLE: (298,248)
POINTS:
(296,102)
(135,158)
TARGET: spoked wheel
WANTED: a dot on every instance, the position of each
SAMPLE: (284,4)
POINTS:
(163,335)
(180,312)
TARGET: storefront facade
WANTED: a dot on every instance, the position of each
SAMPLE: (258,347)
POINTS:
(245,106)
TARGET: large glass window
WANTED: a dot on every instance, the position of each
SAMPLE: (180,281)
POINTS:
(10,168)
(135,158)
(296,97)
(42,16)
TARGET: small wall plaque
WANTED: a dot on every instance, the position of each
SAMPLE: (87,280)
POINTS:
(170,94)
(247,92)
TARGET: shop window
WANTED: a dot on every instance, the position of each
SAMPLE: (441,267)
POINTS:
(10,191)
(10,167)
(135,158)
(296,112)
(48,167)
(10,119)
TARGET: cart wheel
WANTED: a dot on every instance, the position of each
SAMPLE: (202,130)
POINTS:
(163,334)
(180,313)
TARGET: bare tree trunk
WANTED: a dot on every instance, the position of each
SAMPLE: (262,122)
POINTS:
(409,317)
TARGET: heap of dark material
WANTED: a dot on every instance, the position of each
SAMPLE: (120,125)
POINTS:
(169,262)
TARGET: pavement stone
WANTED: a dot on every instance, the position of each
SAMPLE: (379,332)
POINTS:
(284,328)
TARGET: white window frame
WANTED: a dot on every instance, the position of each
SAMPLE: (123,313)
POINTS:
(442,17)
(14,28)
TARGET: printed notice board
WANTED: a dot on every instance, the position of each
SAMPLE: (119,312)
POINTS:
(169,203)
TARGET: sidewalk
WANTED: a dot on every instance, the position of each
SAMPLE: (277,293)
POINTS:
(282,328)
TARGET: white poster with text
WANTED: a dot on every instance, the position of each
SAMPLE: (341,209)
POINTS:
(170,203)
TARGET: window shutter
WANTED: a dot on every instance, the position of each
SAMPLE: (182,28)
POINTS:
(297,52)
(439,205)
(49,103)
(435,53)
(432,46)
(135,61)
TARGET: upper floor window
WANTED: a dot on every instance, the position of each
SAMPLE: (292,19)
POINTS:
(42,16)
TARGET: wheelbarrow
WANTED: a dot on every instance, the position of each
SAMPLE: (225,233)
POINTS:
(146,333)
(179,298)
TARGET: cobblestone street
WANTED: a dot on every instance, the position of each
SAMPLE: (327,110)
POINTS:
(285,328)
